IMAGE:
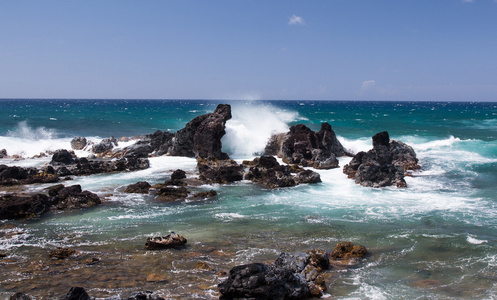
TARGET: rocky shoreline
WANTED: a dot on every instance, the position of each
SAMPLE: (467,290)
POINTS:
(290,276)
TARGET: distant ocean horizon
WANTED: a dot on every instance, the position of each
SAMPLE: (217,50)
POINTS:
(435,239)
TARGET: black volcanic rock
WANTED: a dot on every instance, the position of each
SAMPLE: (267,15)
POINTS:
(72,197)
(305,147)
(63,156)
(219,171)
(384,165)
(78,143)
(24,206)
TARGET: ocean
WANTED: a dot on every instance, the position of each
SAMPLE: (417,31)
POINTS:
(435,239)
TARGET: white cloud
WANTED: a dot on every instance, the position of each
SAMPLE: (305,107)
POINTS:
(296,20)
(367,84)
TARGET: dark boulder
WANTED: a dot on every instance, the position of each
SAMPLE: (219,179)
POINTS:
(24,206)
(20,296)
(78,143)
(160,141)
(171,194)
(219,171)
(135,150)
(307,176)
(305,147)
(73,197)
(61,253)
(384,165)
(63,156)
(3,153)
(141,187)
(178,174)
(76,293)
(201,137)
(258,281)
(172,240)
(148,295)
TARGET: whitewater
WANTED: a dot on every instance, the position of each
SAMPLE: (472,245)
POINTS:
(435,239)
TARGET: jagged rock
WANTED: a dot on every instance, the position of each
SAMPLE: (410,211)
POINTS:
(160,142)
(347,250)
(61,253)
(384,165)
(24,206)
(267,171)
(105,145)
(172,240)
(63,156)
(305,147)
(20,296)
(141,187)
(3,153)
(73,197)
(258,281)
(78,143)
(201,137)
(219,171)
(76,293)
(172,194)
(135,150)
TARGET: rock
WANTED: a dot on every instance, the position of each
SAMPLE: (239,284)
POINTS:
(203,266)
(61,253)
(20,296)
(24,206)
(141,187)
(3,153)
(258,281)
(347,250)
(201,137)
(136,150)
(384,165)
(308,176)
(3,255)
(267,171)
(305,147)
(178,174)
(72,197)
(144,296)
(63,156)
(104,146)
(219,171)
(172,240)
(76,293)
(78,143)
(160,142)
(18,175)
(172,193)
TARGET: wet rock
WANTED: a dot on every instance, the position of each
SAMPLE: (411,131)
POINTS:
(154,277)
(15,175)
(258,281)
(76,293)
(72,197)
(347,250)
(20,296)
(61,253)
(141,187)
(172,240)
(308,176)
(219,171)
(172,193)
(3,153)
(78,143)
(63,156)
(267,171)
(203,266)
(144,296)
(24,206)
(384,165)
(305,147)
(178,174)
(136,150)
(160,142)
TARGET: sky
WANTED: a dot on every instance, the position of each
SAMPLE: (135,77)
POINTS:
(416,50)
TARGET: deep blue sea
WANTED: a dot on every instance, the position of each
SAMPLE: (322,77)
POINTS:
(436,239)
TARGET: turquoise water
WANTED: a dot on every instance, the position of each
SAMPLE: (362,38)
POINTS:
(434,240)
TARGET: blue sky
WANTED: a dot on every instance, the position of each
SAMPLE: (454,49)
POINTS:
(441,50)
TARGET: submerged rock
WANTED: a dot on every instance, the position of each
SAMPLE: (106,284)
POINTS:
(347,250)
(172,240)
(305,147)
(61,253)
(384,165)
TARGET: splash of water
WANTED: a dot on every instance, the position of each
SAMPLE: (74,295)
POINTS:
(248,132)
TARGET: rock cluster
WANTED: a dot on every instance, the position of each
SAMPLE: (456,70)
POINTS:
(59,197)
(291,276)
(79,293)
(305,147)
(384,165)
(267,171)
